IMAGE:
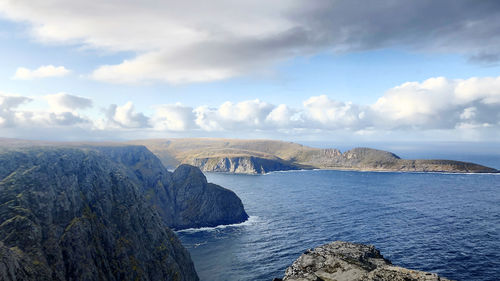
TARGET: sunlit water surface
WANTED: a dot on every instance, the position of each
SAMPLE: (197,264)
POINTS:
(443,223)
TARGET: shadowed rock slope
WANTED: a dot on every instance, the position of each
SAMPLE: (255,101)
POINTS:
(73,214)
(101,213)
(184,199)
(262,156)
(344,261)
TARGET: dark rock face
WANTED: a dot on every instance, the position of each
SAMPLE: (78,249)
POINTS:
(199,203)
(75,214)
(344,261)
(184,199)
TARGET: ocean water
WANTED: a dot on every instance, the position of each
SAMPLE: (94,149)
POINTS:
(443,223)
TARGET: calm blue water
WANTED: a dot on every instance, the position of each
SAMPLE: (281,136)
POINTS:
(444,223)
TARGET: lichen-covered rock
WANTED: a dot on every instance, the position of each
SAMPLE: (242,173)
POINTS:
(344,261)
(75,214)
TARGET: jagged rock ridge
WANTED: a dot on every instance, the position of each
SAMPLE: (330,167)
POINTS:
(184,198)
(344,261)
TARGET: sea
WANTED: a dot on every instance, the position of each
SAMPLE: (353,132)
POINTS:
(438,222)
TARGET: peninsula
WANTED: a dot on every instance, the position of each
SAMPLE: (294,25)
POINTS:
(263,156)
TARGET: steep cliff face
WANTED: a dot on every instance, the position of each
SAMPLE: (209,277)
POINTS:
(241,164)
(199,203)
(183,199)
(75,214)
(344,261)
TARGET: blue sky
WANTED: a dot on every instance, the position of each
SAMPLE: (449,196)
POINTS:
(339,70)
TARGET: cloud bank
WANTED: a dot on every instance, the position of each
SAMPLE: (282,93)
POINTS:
(437,103)
(195,41)
(44,71)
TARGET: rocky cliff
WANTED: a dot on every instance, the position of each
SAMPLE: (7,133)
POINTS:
(199,203)
(87,212)
(184,198)
(262,156)
(241,164)
(344,261)
(74,214)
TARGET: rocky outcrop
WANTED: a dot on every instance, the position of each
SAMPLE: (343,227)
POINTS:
(241,164)
(344,261)
(199,203)
(184,198)
(75,214)
(87,212)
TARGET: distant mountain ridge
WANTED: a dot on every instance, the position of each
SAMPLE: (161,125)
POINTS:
(263,156)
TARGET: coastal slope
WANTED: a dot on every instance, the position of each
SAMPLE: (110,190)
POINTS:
(263,156)
(182,201)
(344,261)
(74,214)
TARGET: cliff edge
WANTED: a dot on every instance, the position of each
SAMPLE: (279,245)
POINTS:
(74,214)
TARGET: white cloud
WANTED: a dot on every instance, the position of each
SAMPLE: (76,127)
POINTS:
(41,72)
(468,107)
(12,116)
(468,113)
(173,117)
(125,117)
(333,114)
(8,105)
(245,115)
(206,119)
(193,41)
(62,102)
(157,66)
(283,116)
(440,103)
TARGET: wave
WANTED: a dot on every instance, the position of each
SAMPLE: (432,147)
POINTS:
(250,221)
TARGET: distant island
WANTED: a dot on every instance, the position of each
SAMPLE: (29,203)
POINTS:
(264,156)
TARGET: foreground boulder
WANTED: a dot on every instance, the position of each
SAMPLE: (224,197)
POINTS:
(344,261)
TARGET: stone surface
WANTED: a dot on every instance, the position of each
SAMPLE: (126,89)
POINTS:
(87,212)
(241,164)
(74,214)
(344,261)
(184,198)
(199,203)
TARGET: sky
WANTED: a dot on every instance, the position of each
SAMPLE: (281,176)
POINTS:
(299,70)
